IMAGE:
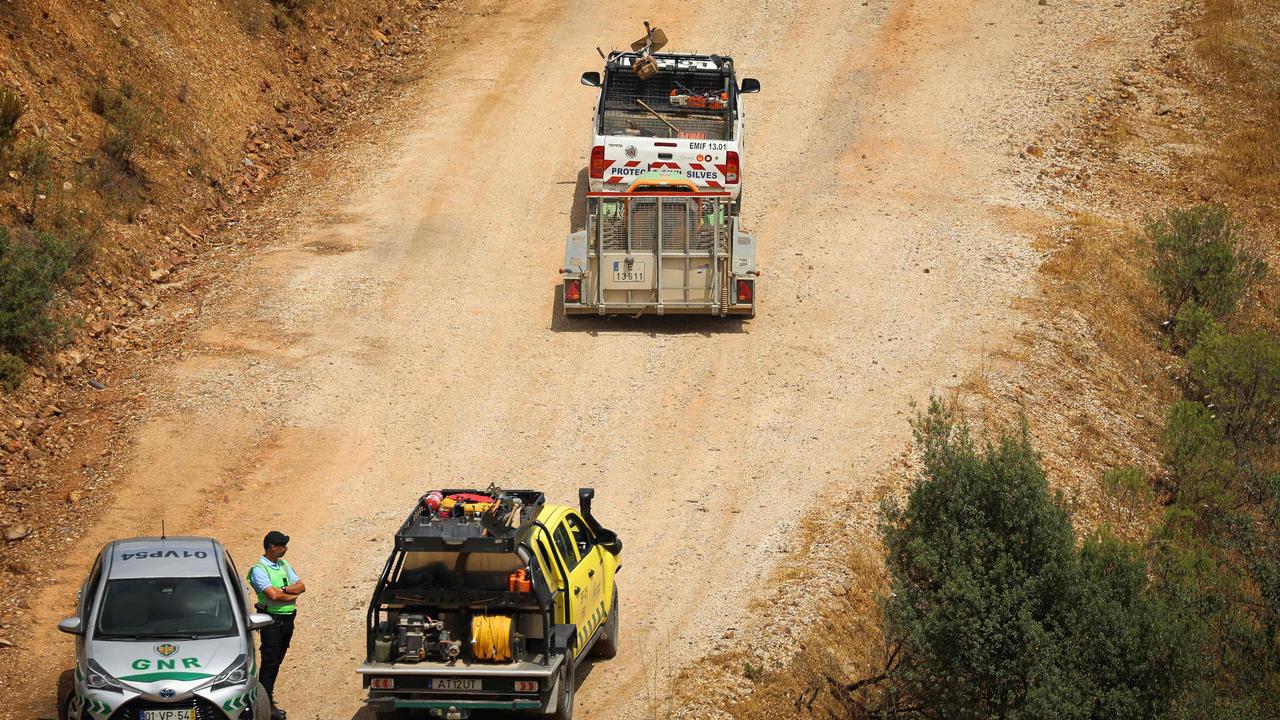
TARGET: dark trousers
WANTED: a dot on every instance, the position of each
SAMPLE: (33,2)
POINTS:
(275,643)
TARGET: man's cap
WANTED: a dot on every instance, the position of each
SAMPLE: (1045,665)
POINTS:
(275,537)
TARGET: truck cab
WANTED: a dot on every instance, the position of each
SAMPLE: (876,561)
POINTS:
(687,118)
(489,600)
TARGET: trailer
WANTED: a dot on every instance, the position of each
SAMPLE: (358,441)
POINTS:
(662,247)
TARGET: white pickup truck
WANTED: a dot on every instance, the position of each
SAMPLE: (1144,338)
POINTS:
(686,119)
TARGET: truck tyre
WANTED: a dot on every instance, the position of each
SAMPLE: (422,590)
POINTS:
(606,645)
(564,692)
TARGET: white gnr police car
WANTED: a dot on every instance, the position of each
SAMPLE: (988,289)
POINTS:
(164,633)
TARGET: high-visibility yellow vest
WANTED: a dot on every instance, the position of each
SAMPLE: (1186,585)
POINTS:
(279,578)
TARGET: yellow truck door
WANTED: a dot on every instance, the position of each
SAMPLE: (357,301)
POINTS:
(586,575)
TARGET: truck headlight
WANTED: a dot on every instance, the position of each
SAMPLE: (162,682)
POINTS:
(95,678)
(235,674)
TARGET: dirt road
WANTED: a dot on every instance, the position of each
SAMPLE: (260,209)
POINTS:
(401,332)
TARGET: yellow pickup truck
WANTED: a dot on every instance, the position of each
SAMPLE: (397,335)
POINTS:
(489,600)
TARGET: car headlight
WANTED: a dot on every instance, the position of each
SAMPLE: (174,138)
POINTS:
(98,679)
(235,674)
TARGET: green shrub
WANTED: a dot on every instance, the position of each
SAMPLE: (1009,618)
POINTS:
(1126,484)
(110,103)
(127,124)
(31,158)
(1130,651)
(1200,254)
(1199,459)
(287,13)
(1190,324)
(33,267)
(1238,375)
(11,109)
(997,613)
(1218,561)
(12,371)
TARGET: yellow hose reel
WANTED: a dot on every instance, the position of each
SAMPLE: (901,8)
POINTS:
(491,637)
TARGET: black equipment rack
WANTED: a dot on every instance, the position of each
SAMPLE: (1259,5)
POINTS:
(426,531)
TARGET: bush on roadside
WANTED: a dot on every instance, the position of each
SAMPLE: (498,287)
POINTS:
(286,13)
(33,268)
(1130,651)
(1126,484)
(1202,254)
(1190,324)
(127,128)
(1201,470)
(11,109)
(12,370)
(997,612)
(1218,561)
(1238,375)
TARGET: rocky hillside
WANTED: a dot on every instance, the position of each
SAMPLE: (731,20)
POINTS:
(131,134)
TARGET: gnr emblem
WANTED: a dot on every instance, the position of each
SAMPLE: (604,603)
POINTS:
(166,649)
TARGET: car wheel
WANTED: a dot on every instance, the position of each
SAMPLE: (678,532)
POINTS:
(564,692)
(261,704)
(607,644)
(66,693)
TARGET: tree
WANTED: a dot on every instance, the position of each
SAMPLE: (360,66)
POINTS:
(997,612)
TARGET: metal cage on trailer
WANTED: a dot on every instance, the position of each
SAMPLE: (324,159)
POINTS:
(660,253)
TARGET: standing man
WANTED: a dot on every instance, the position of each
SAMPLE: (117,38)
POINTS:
(278,588)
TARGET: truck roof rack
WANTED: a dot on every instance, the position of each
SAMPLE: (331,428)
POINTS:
(426,531)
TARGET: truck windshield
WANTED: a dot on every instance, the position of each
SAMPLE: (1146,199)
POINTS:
(137,608)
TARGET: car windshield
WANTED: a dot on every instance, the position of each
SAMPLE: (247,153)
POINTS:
(193,607)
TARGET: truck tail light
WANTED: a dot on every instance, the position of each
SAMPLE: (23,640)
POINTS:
(573,291)
(732,171)
(383,683)
(526,686)
(598,163)
(746,290)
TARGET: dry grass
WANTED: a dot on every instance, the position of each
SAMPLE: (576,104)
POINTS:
(1101,270)
(1240,43)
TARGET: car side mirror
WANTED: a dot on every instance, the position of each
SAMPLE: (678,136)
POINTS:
(71,626)
(591,78)
(750,85)
(257,621)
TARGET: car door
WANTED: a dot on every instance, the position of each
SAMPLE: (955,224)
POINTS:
(586,575)
(88,596)
(555,571)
